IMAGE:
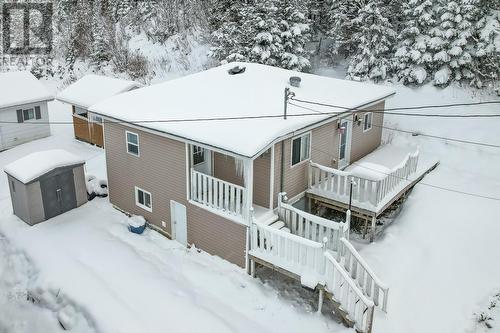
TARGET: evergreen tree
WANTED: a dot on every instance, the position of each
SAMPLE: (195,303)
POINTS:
(375,39)
(341,26)
(295,34)
(413,54)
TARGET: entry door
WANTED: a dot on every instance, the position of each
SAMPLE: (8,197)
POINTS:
(345,142)
(179,222)
(201,159)
(58,194)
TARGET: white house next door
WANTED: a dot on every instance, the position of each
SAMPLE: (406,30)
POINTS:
(179,222)
(345,142)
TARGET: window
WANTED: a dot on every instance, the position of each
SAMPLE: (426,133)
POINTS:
(367,121)
(13,186)
(28,114)
(143,199)
(132,143)
(301,148)
(198,155)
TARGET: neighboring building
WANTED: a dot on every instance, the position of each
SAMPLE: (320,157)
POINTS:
(163,170)
(45,184)
(23,109)
(86,92)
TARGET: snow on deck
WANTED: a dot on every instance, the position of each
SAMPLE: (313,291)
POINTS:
(18,88)
(378,165)
(39,163)
(259,91)
(92,89)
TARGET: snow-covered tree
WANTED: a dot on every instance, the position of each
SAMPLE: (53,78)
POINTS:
(375,39)
(295,34)
(486,58)
(341,26)
(413,54)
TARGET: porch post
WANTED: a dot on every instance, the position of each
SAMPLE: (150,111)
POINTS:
(248,183)
(271,180)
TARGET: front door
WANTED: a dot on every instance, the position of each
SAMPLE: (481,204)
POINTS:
(179,222)
(201,159)
(58,193)
(345,142)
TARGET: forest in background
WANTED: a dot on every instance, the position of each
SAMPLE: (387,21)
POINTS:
(413,41)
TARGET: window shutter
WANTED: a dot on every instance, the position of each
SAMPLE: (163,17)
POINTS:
(19,116)
(38,114)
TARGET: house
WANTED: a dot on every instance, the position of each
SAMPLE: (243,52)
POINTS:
(88,91)
(23,109)
(207,160)
(45,184)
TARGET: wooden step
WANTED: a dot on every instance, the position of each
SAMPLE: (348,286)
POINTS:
(344,316)
(278,225)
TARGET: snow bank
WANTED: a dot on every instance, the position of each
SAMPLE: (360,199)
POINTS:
(36,164)
(21,88)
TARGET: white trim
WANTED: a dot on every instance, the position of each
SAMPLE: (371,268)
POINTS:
(271,180)
(291,149)
(188,174)
(127,143)
(349,120)
(149,209)
(364,120)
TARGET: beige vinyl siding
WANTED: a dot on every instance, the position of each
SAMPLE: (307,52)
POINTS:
(161,170)
(324,150)
(364,143)
(225,169)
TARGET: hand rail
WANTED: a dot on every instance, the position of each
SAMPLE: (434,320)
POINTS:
(363,275)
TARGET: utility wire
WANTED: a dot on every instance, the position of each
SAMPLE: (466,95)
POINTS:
(418,107)
(413,132)
(418,183)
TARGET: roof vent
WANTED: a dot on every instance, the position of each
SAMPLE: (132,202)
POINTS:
(295,81)
(236,70)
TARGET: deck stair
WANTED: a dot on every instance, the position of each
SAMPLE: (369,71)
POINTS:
(318,252)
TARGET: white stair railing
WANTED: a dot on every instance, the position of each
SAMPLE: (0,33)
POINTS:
(310,226)
(217,193)
(362,274)
(345,292)
(296,254)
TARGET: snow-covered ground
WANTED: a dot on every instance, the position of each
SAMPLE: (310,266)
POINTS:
(440,255)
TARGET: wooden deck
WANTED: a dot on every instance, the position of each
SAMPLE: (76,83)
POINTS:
(375,186)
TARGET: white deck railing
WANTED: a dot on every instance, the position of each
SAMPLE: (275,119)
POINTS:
(373,191)
(218,194)
(348,295)
(361,273)
(310,226)
(291,252)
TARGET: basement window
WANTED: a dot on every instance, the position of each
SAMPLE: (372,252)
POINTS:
(143,199)
(301,148)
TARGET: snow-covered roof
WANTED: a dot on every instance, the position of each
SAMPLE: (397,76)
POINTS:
(92,89)
(18,88)
(36,164)
(259,91)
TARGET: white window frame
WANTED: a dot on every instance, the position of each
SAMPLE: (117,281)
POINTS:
(365,121)
(127,143)
(28,110)
(138,204)
(309,149)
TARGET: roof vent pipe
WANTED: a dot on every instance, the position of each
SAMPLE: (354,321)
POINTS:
(295,81)
(236,70)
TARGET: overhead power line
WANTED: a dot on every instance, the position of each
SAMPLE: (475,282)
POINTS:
(484,144)
(417,107)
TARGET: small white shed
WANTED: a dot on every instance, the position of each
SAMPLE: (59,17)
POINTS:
(24,113)
(45,184)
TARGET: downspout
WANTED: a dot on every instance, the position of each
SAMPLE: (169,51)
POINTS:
(282,166)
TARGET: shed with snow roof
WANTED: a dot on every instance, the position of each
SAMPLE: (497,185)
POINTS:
(45,184)
(87,91)
(23,109)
